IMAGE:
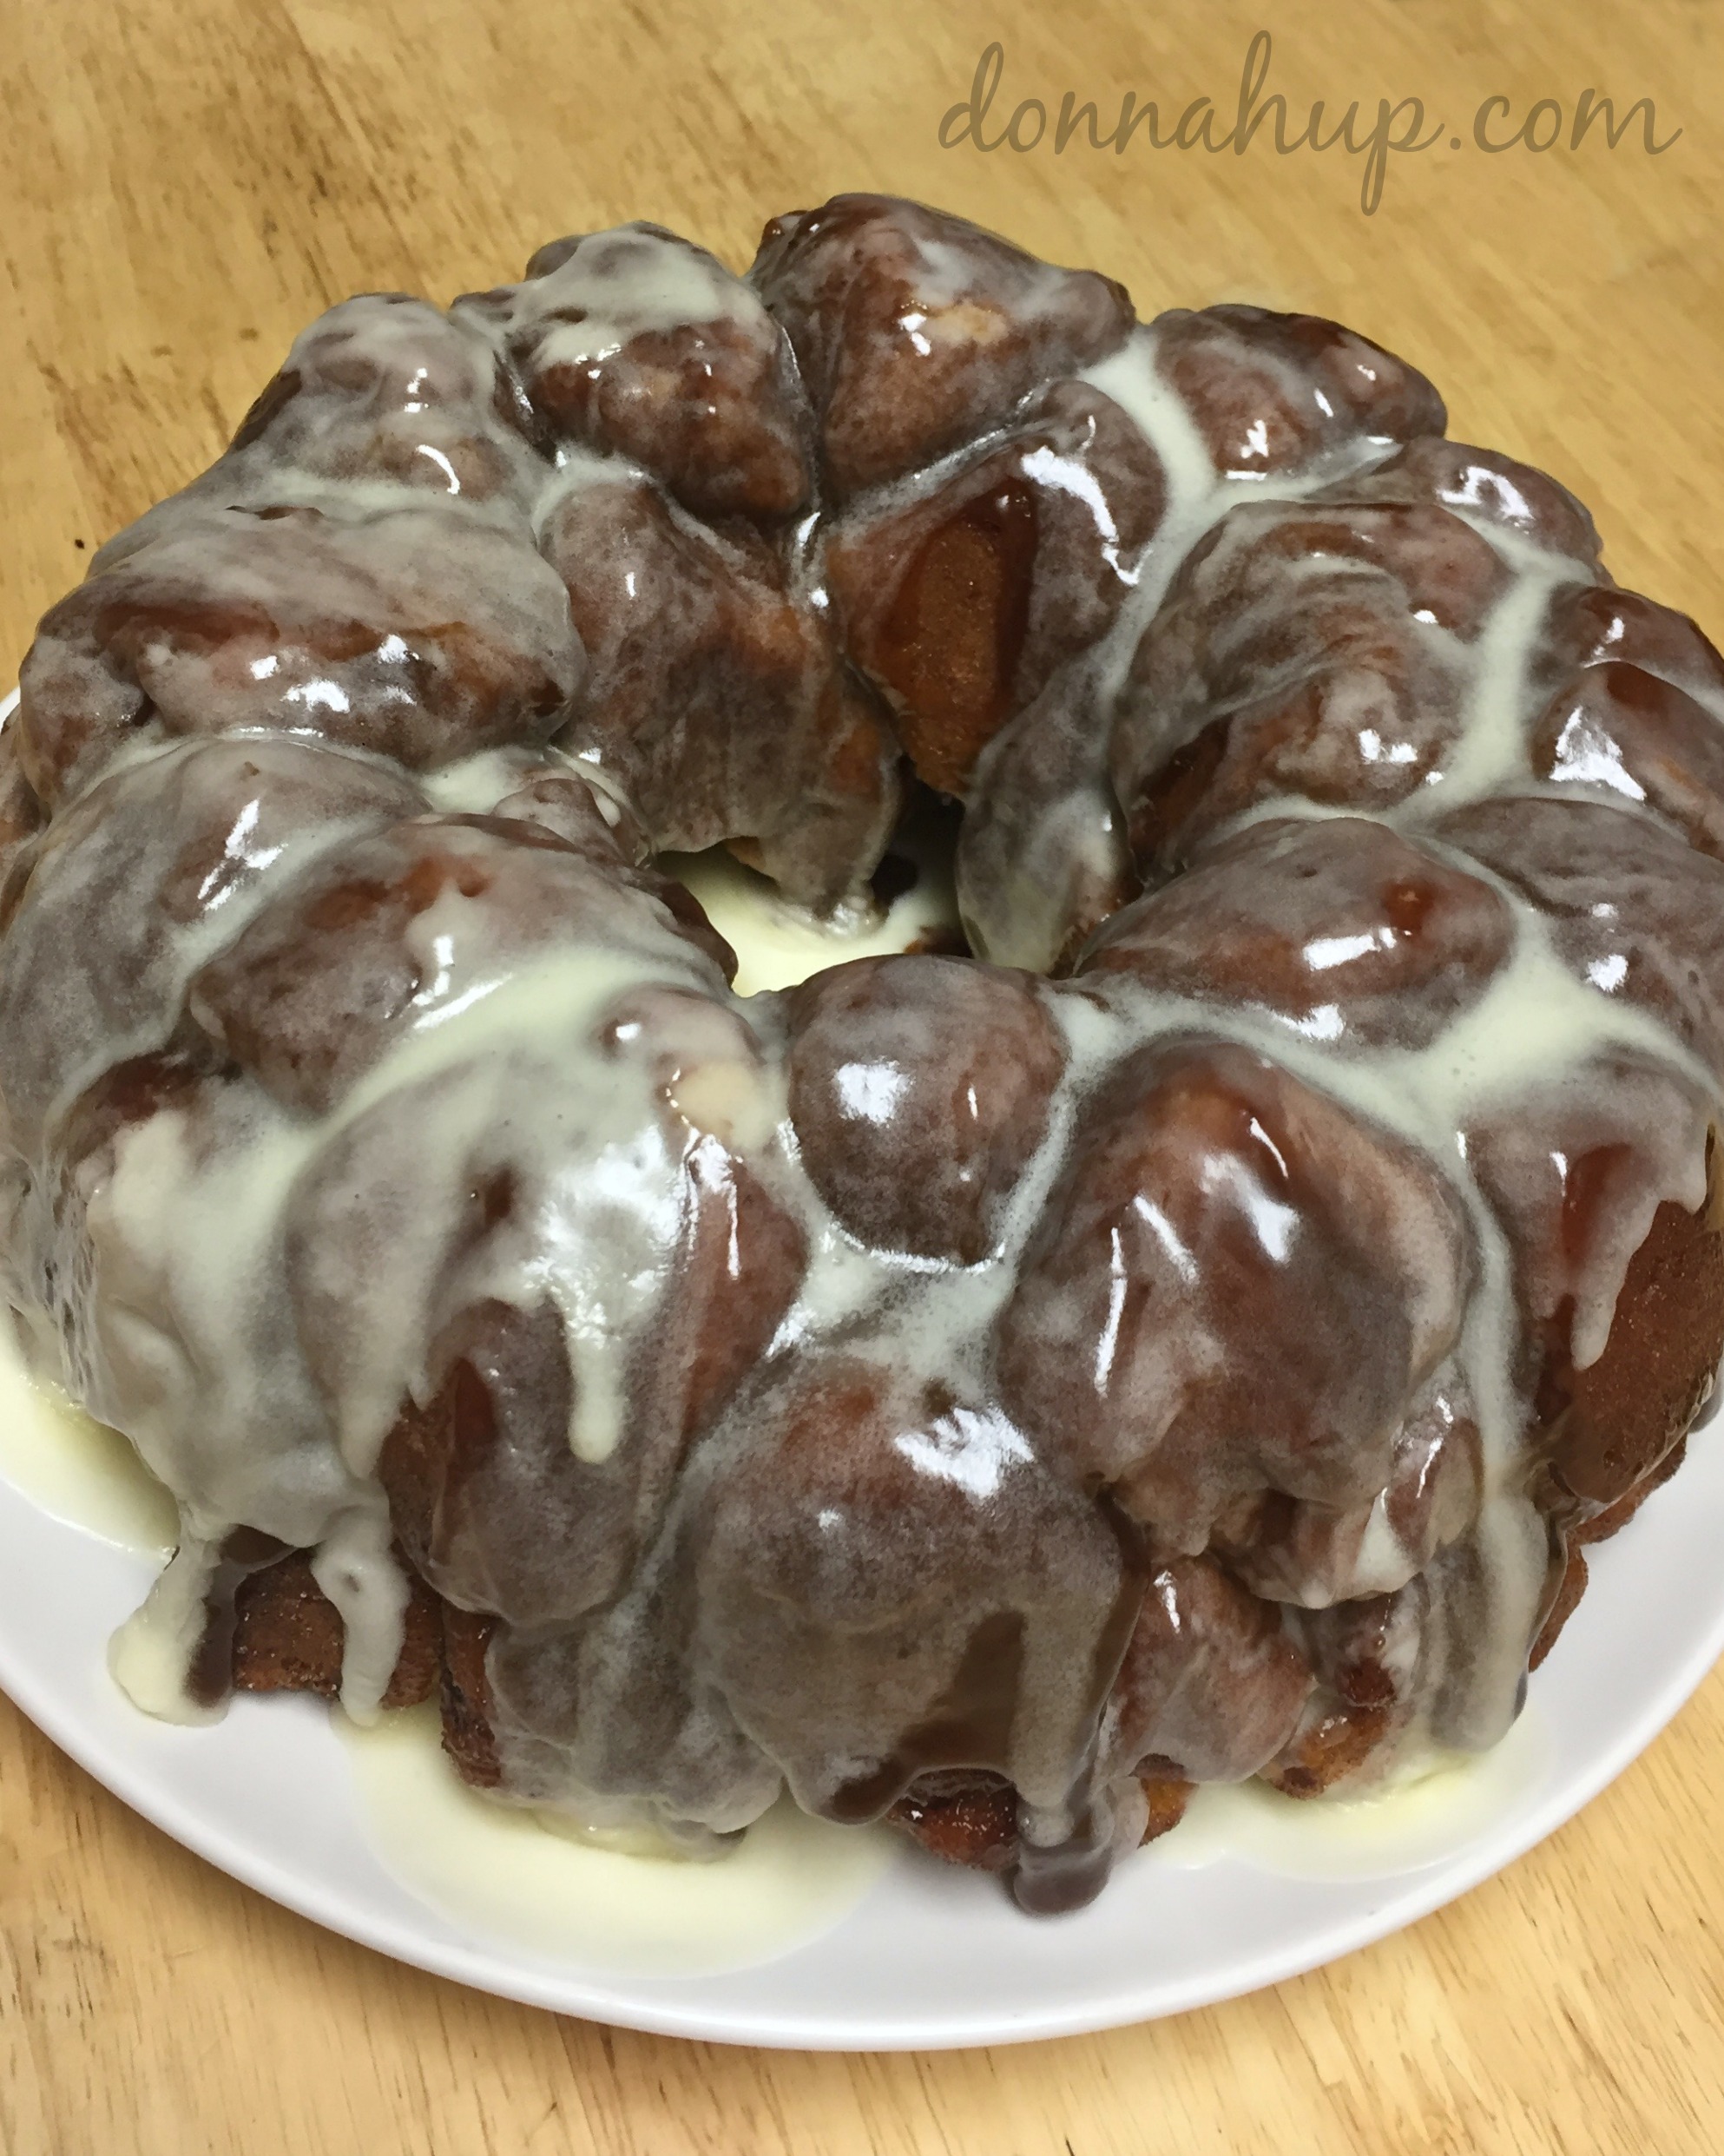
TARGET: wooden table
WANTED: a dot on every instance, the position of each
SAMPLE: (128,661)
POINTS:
(186,183)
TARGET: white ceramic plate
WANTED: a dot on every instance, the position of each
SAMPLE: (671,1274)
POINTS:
(927,1956)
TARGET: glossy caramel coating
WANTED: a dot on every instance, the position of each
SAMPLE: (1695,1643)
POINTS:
(423,635)
(1288,660)
(490,1501)
(899,1563)
(1339,922)
(963,602)
(313,992)
(388,388)
(149,861)
(920,1090)
(710,404)
(1271,392)
(1204,1181)
(1636,711)
(1633,910)
(714,698)
(1213,1680)
(916,332)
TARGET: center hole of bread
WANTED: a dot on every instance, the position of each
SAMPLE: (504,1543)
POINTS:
(913,905)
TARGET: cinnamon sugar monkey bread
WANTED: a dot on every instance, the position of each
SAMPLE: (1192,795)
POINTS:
(1188,1329)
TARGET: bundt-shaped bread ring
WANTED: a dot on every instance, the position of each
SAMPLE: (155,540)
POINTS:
(1193,1335)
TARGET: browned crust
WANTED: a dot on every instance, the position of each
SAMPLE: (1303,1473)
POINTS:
(1332,1748)
(969,1817)
(288,1636)
(1168,1797)
(1618,1431)
(1573,1582)
(467,1735)
(1569,1588)
(948,649)
(962,1818)
(1609,1427)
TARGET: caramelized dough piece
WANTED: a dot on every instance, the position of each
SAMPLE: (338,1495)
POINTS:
(1271,392)
(1617,727)
(971,1819)
(288,1636)
(946,649)
(1213,1682)
(423,634)
(962,1817)
(386,932)
(384,388)
(136,1208)
(456,1189)
(1327,648)
(1333,1747)
(1203,1182)
(1166,1797)
(489,1497)
(579,805)
(1610,1424)
(1289,658)
(1340,923)
(128,1094)
(1445,1656)
(714,698)
(961,602)
(1488,488)
(588,810)
(638,343)
(1635,912)
(1604,1188)
(919,1090)
(1313,1556)
(1642,713)
(485,1492)
(896,1583)
(1043,859)
(1598,1528)
(131,885)
(468,1736)
(617,1721)
(1569,1589)
(916,330)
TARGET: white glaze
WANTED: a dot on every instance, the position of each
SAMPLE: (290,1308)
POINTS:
(778,944)
(618,286)
(1428,1811)
(152,1652)
(75,1468)
(505,1873)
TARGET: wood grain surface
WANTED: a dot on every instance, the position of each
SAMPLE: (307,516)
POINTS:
(185,183)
